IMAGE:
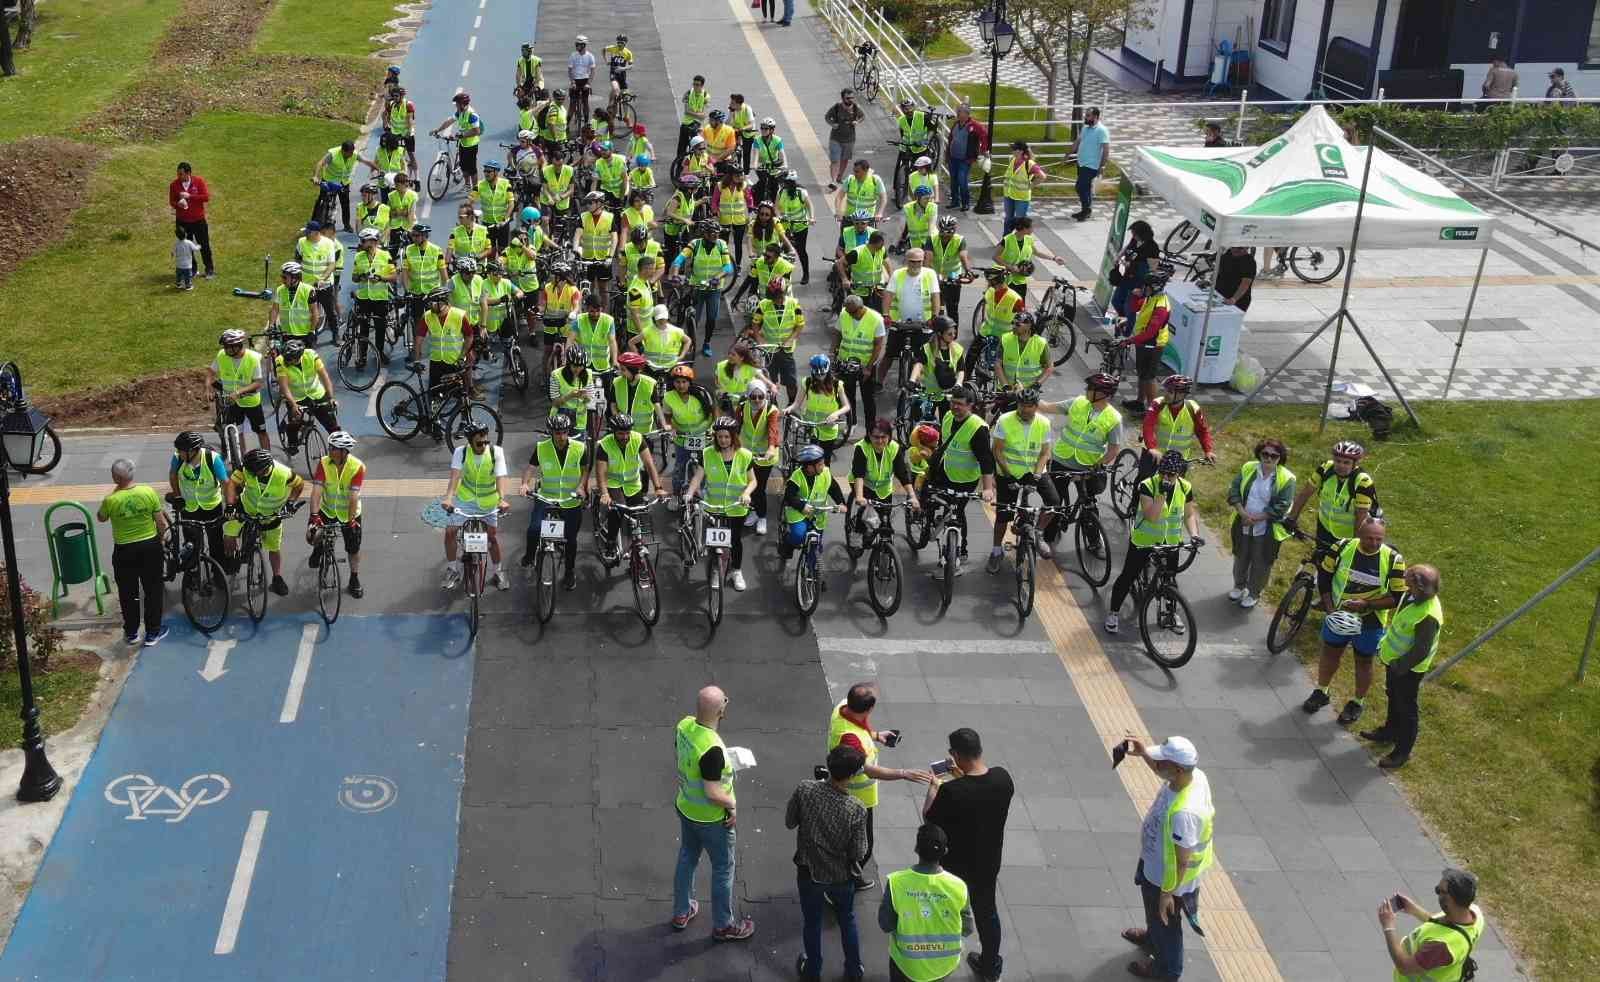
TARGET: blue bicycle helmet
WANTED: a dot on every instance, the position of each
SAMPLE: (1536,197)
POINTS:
(643,160)
(821,365)
(530,215)
(808,454)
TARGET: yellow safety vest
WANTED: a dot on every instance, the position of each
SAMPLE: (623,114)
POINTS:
(706,264)
(340,167)
(946,253)
(753,435)
(559,474)
(378,264)
(637,400)
(199,485)
(792,209)
(1281,477)
(375,217)
(294,313)
(467,295)
(879,479)
(1176,432)
(691,741)
(478,485)
(1198,802)
(447,342)
(464,120)
(473,243)
(336,487)
(928,283)
(623,464)
(661,346)
(1084,439)
(819,406)
(596,235)
(960,463)
(1023,442)
(422,267)
(496,200)
(236,373)
(1401,634)
(262,499)
(725,481)
(930,363)
(861,787)
(926,944)
(694,102)
(780,326)
(862,195)
(1435,929)
(557,187)
(999,313)
(1168,529)
(1017,248)
(304,380)
(594,335)
(1024,365)
(1341,575)
(815,492)
(496,291)
(1019,180)
(611,172)
(866,268)
(1147,310)
(858,335)
(732,208)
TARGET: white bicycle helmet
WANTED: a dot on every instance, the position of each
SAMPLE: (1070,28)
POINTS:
(232,336)
(1344,623)
(341,440)
(525,134)
(290,269)
(369,233)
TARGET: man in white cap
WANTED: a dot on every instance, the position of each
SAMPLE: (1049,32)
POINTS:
(1174,852)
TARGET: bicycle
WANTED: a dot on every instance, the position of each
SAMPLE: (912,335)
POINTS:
(474,537)
(808,585)
(446,171)
(206,594)
(578,105)
(447,409)
(797,433)
(1056,318)
(691,531)
(1297,600)
(949,505)
(49,454)
(916,334)
(620,114)
(641,567)
(313,441)
(905,160)
(503,347)
(1089,539)
(551,559)
(269,343)
(330,581)
(381,340)
(1312,264)
(717,543)
(864,75)
(913,407)
(1163,612)
(876,539)
(1113,356)
(327,201)
(254,559)
(1025,529)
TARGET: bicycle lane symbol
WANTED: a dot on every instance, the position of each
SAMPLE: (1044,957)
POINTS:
(144,798)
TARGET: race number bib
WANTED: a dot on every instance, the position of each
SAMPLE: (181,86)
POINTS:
(552,528)
(694,441)
(719,538)
(597,397)
(475,542)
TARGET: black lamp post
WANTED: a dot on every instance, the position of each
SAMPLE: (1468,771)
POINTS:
(21,438)
(999,36)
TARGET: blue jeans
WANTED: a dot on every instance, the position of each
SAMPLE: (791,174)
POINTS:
(717,841)
(1014,210)
(682,460)
(960,176)
(1165,941)
(788,11)
(813,897)
(705,310)
(1086,176)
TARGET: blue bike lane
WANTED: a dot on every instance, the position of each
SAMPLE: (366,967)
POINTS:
(275,802)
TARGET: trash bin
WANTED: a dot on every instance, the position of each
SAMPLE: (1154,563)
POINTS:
(74,556)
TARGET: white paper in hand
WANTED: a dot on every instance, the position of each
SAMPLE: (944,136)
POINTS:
(742,758)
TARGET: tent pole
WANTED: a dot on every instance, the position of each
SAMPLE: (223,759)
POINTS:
(1276,372)
(1349,274)
(1205,320)
(1461,338)
(1386,377)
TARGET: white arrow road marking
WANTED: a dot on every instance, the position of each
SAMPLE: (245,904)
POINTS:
(216,655)
(297,678)
(239,893)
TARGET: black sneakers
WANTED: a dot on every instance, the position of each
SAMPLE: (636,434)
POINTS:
(1350,713)
(1315,701)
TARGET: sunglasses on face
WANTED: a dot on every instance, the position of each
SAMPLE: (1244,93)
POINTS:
(1270,455)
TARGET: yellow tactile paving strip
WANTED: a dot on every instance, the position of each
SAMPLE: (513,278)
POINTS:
(425,487)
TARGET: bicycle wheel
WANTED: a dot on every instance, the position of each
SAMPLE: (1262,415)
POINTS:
(400,410)
(205,595)
(315,446)
(872,82)
(623,120)
(546,569)
(900,181)
(1290,615)
(950,553)
(806,580)
(1167,627)
(716,572)
(1027,576)
(645,599)
(1186,558)
(49,454)
(1122,479)
(1181,238)
(358,374)
(858,77)
(1062,337)
(854,532)
(517,368)
(474,575)
(918,528)
(455,429)
(330,586)
(883,579)
(1316,265)
(604,545)
(439,178)
(256,582)
(978,314)
(1087,536)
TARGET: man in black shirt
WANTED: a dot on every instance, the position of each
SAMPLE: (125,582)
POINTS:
(1236,274)
(972,807)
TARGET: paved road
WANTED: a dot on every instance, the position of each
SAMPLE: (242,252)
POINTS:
(559,867)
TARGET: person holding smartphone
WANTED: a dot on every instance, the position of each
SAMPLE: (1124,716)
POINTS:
(850,725)
(972,805)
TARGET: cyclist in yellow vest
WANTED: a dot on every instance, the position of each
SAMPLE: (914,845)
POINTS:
(1173,422)
(734,375)
(850,725)
(926,912)
(1090,439)
(964,460)
(760,433)
(469,239)
(822,403)
(558,304)
(939,369)
(696,105)
(1360,581)
(634,392)
(779,319)
(596,241)
(1022,175)
(449,333)
(293,307)
(732,202)
(910,298)
(863,190)
(1438,949)
(374,275)
(1175,850)
(640,296)
(500,297)
(198,477)
(795,210)
(1164,510)
(722,140)
(422,270)
(1020,443)
(595,332)
(400,121)
(468,128)
(638,246)
(1000,306)
(388,162)
(809,496)
(1409,644)
(662,344)
(1259,496)
(707,813)
(641,179)
(529,73)
(402,214)
(638,215)
(337,166)
(622,459)
(572,388)
(498,200)
(477,489)
(138,560)
(562,464)
(687,410)
(263,487)
(1148,330)
(371,213)
(1020,246)
(918,218)
(305,388)
(771,160)
(555,192)
(866,268)
(551,123)
(948,257)
(877,465)
(769,265)
(710,266)
(336,497)
(862,338)
(235,376)
(611,174)
(1345,494)
(466,289)
(1024,356)
(743,120)
(728,475)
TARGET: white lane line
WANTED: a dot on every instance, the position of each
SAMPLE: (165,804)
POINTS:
(297,678)
(472,45)
(477,22)
(482,4)
(377,383)
(239,893)
(465,67)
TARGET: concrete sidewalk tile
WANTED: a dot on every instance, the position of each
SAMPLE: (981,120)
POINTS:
(1071,849)
(639,943)
(500,856)
(898,689)
(1054,949)
(523,692)
(1245,852)
(1053,691)
(965,690)
(1287,929)
(1254,784)
(522,767)
(1306,966)
(1052,812)
(1023,848)
(528,938)
(1110,815)
(1296,851)
(1261,889)
(1100,928)
(896,812)
(1365,963)
(627,766)
(1089,887)
(638,851)
(1412,851)
(1034,886)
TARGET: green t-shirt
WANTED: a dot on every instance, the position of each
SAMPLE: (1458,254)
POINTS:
(132,512)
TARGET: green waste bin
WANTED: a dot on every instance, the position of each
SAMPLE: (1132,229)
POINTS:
(74,556)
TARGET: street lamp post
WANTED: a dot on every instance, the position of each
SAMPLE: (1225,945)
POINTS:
(22,432)
(999,37)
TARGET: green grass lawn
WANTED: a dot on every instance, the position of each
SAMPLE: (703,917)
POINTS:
(300,27)
(1507,766)
(104,299)
(61,691)
(946,45)
(1024,120)
(81,55)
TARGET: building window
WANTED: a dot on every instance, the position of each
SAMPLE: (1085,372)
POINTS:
(1277,25)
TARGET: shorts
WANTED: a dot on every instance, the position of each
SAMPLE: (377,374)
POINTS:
(463,511)
(237,414)
(410,143)
(1366,643)
(1147,361)
(554,325)
(621,78)
(598,270)
(271,536)
(352,535)
(780,368)
(839,153)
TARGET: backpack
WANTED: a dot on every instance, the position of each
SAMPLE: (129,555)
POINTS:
(1377,416)
(1469,965)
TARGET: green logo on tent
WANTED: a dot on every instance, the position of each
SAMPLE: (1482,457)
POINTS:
(1267,153)
(1209,220)
(1332,160)
(1213,346)
(1459,233)
(1226,171)
(1300,197)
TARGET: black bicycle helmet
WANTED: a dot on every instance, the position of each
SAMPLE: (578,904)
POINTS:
(577,358)
(421,229)
(619,421)
(259,461)
(1172,462)
(560,423)
(1028,396)
(188,442)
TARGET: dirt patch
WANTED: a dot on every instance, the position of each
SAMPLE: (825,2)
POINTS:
(43,180)
(170,400)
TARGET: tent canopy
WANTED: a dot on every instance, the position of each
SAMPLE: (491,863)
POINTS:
(1301,189)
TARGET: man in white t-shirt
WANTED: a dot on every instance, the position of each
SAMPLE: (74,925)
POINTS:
(580,70)
(1174,853)
(477,489)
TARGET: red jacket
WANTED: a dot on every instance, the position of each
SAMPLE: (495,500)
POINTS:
(977,139)
(1152,416)
(198,196)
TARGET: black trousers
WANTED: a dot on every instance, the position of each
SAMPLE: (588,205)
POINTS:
(862,390)
(137,568)
(985,914)
(201,234)
(1402,686)
(798,236)
(950,297)
(344,208)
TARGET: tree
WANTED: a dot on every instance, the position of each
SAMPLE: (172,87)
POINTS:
(1056,37)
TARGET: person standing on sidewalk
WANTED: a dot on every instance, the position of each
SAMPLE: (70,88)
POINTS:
(850,725)
(137,560)
(926,913)
(1360,582)
(842,118)
(1091,147)
(1407,652)
(1260,496)
(188,195)
(972,807)
(830,846)
(969,140)
(1441,946)
(1174,852)
(1023,174)
(706,815)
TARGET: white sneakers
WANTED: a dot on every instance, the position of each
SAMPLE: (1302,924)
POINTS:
(501,582)
(452,576)
(1241,596)
(1044,548)
(1236,593)
(1111,623)
(737,579)
(1247,601)
(761,526)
